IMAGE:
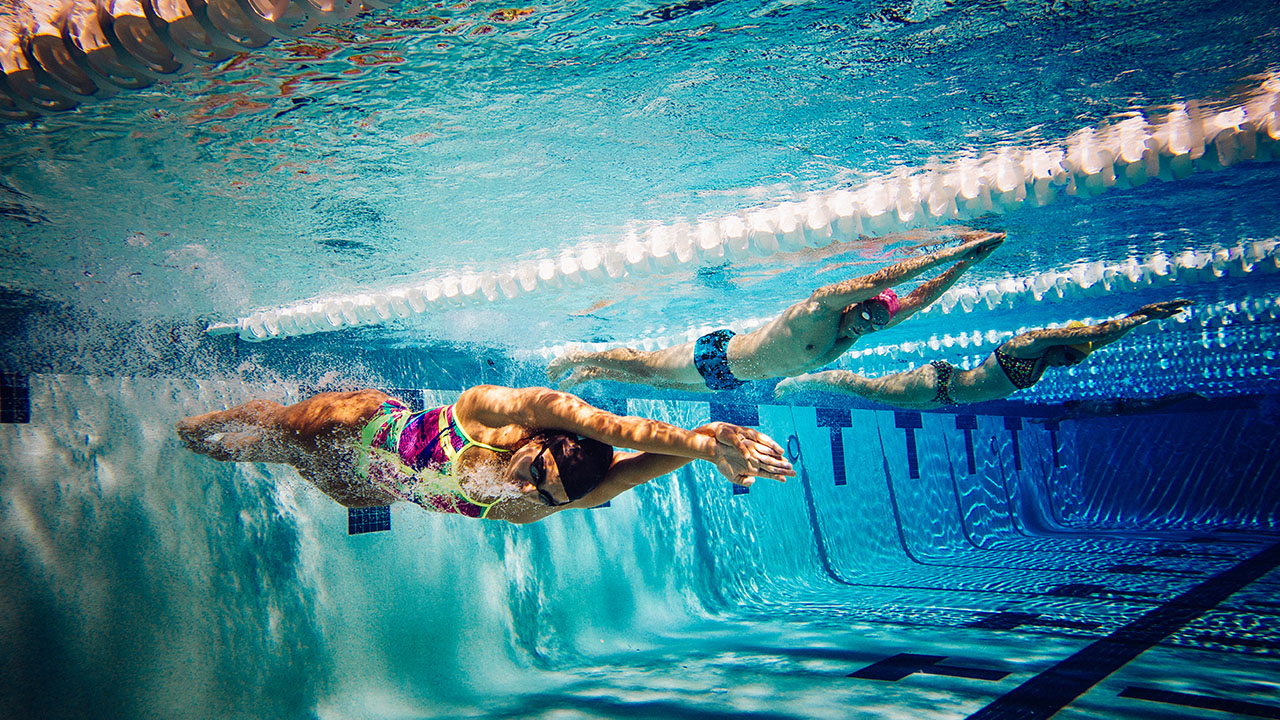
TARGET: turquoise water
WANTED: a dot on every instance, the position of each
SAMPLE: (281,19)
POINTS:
(987,554)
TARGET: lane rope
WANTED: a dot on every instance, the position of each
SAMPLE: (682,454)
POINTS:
(1124,152)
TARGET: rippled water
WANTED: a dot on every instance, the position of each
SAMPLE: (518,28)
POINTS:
(433,138)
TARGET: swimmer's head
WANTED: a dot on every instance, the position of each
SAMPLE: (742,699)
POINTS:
(888,299)
(1064,355)
(870,314)
(556,468)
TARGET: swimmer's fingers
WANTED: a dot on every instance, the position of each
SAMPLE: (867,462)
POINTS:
(779,468)
(1162,310)
(755,436)
(773,469)
(983,246)
(763,456)
(757,448)
(743,467)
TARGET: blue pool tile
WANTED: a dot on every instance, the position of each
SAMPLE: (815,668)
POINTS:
(617,406)
(411,396)
(1042,696)
(1261,643)
(1090,590)
(910,422)
(907,420)
(736,413)
(1013,424)
(1135,569)
(1014,620)
(967,424)
(369,519)
(833,418)
(1053,443)
(1003,620)
(895,668)
(837,456)
(913,460)
(1078,590)
(15,398)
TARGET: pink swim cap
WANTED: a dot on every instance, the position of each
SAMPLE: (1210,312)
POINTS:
(889,299)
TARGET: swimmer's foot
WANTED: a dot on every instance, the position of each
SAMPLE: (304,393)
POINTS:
(579,376)
(562,365)
(246,446)
(214,438)
(193,431)
(792,386)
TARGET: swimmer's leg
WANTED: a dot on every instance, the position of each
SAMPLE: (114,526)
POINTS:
(266,431)
(251,432)
(198,428)
(587,374)
(673,364)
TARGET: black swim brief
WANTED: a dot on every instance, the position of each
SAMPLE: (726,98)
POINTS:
(710,358)
(945,371)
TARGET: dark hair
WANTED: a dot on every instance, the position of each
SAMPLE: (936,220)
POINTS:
(582,461)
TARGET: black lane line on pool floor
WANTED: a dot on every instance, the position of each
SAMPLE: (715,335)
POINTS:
(1045,694)
(899,666)
(738,414)
(1205,702)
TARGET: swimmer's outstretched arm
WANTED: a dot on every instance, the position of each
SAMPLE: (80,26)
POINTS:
(631,470)
(1036,342)
(736,456)
(843,294)
(925,295)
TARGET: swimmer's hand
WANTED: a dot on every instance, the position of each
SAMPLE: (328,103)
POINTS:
(981,246)
(743,454)
(1161,310)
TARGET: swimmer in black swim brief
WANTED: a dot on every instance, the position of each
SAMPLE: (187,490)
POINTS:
(808,335)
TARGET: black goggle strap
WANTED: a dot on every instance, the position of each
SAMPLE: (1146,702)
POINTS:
(541,464)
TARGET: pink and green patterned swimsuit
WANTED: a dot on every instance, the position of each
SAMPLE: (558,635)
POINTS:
(412,455)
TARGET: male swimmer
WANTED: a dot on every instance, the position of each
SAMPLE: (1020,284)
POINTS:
(807,335)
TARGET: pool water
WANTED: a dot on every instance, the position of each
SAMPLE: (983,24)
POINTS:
(1102,545)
